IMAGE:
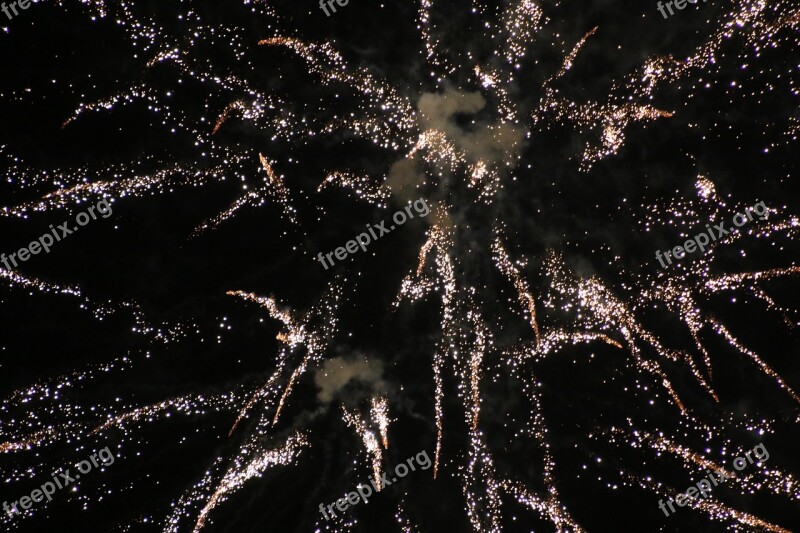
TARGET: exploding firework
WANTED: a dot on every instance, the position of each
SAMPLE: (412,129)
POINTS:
(516,287)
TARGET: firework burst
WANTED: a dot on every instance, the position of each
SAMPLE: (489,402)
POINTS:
(462,138)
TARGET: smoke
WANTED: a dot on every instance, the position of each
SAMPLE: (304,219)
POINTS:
(494,144)
(437,110)
(487,142)
(337,373)
(405,178)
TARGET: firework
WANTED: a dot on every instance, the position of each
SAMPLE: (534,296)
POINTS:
(513,294)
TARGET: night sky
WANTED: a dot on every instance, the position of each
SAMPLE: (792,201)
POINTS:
(173,171)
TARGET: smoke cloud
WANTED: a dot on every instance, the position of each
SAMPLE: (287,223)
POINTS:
(491,143)
(337,373)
